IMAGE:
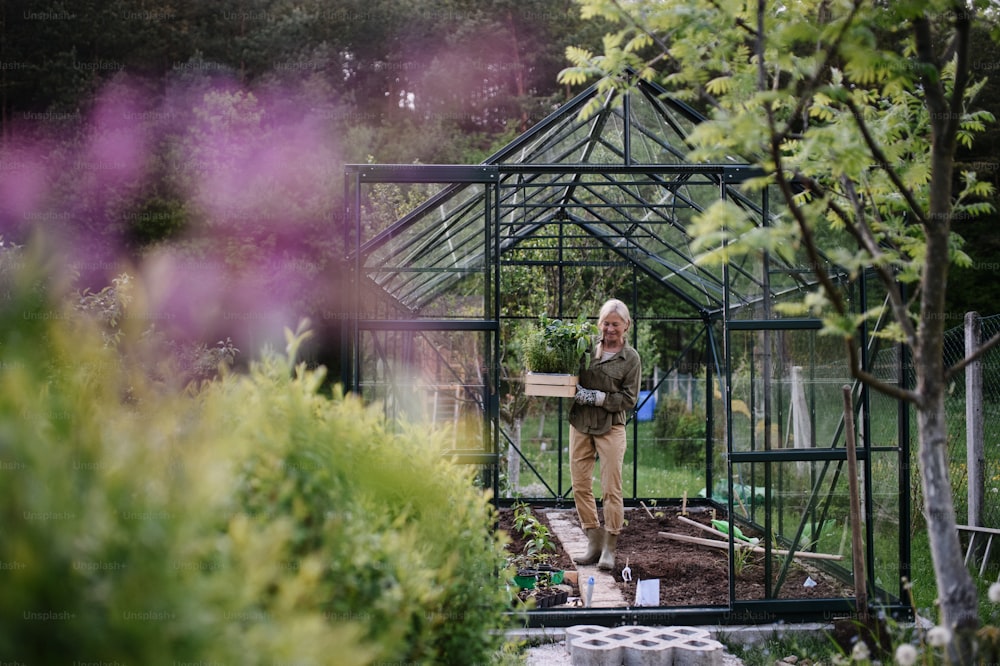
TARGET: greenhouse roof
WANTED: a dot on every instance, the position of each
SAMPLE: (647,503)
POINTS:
(617,174)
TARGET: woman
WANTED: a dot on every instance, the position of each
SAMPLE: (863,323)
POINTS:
(607,392)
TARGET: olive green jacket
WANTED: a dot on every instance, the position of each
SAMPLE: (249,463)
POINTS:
(618,377)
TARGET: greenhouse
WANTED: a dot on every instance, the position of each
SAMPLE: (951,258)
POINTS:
(451,263)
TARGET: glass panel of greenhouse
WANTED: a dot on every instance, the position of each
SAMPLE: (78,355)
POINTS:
(741,410)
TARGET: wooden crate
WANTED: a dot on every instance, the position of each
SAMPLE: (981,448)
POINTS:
(558,386)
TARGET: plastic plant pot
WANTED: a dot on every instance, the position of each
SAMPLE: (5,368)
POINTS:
(551,597)
(526,580)
(555,575)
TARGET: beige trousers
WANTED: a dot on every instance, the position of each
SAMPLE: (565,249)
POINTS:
(583,452)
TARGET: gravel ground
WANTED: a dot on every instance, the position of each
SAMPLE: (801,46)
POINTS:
(551,654)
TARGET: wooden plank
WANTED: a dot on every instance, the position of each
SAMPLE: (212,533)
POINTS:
(553,385)
(739,544)
(550,378)
(968,551)
(550,390)
(976,528)
(714,543)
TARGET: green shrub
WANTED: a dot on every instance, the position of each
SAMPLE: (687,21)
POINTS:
(106,554)
(253,521)
(680,431)
(398,538)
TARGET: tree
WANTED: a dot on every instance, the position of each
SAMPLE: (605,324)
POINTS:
(854,110)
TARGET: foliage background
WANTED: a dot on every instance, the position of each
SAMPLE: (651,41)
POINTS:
(241,114)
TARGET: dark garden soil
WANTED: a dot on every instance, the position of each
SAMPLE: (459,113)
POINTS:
(691,574)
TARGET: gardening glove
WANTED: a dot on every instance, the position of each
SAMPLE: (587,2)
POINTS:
(591,397)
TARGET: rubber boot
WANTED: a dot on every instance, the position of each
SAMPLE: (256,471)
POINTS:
(595,545)
(608,554)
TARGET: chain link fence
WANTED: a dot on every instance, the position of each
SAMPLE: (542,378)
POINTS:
(955,410)
(954,350)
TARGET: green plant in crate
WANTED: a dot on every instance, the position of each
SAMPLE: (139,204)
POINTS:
(557,345)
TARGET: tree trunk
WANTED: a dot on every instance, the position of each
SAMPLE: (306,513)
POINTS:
(957,593)
(956,589)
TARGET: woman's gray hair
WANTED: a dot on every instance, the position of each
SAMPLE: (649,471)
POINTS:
(612,306)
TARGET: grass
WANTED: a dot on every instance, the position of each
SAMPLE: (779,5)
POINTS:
(812,645)
(658,475)
(925,590)
(512,653)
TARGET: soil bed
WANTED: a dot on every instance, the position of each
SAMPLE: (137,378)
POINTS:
(690,574)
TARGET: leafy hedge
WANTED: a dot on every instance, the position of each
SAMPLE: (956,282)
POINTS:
(681,431)
(252,521)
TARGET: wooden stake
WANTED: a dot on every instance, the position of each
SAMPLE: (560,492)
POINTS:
(710,530)
(857,543)
(684,504)
(742,544)
(739,497)
(714,543)
(647,509)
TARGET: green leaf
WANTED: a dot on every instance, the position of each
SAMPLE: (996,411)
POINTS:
(638,43)
(720,85)
(578,56)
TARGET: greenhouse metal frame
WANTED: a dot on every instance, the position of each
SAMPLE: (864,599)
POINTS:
(602,186)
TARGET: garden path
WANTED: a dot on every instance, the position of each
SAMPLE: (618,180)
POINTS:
(607,594)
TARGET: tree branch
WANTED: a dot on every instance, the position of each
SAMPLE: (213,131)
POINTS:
(759,46)
(882,160)
(961,82)
(866,239)
(933,91)
(874,382)
(740,23)
(809,242)
(664,48)
(895,297)
(831,51)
